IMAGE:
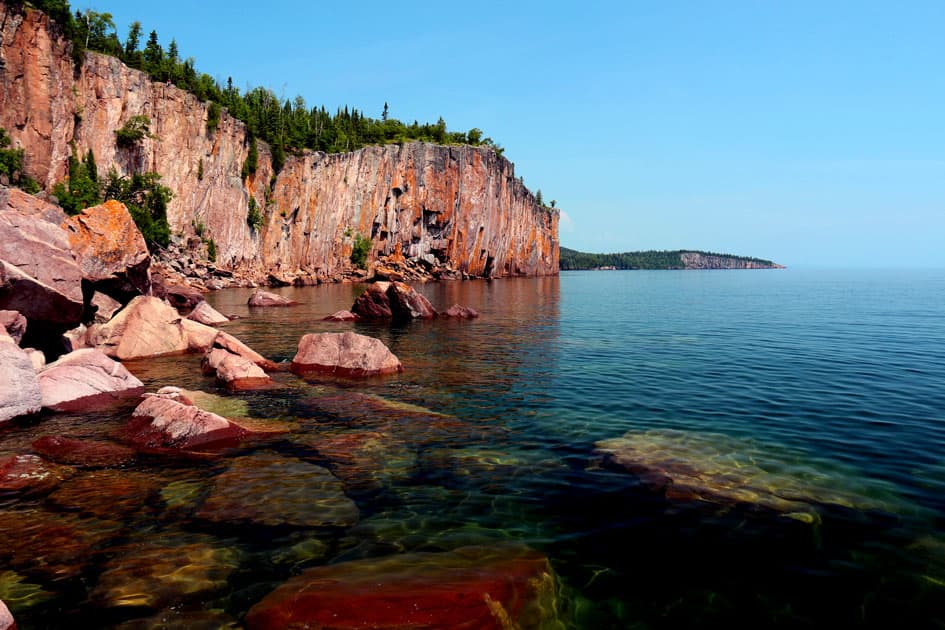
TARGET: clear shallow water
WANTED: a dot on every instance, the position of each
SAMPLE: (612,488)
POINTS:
(800,415)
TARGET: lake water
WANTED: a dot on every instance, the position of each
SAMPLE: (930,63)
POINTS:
(689,449)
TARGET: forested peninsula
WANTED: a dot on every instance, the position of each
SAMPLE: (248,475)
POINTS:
(676,259)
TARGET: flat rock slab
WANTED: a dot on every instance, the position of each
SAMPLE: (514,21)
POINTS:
(165,422)
(269,489)
(86,379)
(345,354)
(84,453)
(206,314)
(264,298)
(470,588)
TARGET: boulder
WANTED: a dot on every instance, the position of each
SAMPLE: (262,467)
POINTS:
(30,475)
(85,453)
(373,304)
(85,379)
(110,250)
(19,385)
(342,316)
(105,307)
(206,314)
(406,304)
(106,492)
(37,358)
(182,297)
(458,311)
(39,276)
(507,586)
(239,373)
(168,421)
(6,618)
(345,354)
(14,323)
(264,298)
(233,345)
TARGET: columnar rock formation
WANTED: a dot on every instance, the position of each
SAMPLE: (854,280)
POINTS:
(462,204)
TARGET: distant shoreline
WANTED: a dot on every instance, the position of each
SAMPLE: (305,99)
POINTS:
(573,260)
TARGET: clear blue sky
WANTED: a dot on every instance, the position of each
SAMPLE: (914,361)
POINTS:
(812,133)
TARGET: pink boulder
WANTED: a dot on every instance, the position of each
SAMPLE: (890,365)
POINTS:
(14,323)
(458,311)
(393,301)
(6,618)
(344,354)
(373,304)
(19,385)
(342,316)
(30,475)
(264,298)
(206,314)
(239,373)
(168,421)
(86,379)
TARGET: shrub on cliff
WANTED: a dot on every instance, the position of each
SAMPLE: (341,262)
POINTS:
(136,129)
(11,166)
(254,217)
(360,250)
(146,200)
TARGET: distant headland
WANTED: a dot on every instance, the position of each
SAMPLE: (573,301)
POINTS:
(677,259)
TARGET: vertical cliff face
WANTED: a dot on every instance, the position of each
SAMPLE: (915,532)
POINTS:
(462,204)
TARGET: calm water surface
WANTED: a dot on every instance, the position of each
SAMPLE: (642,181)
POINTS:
(800,416)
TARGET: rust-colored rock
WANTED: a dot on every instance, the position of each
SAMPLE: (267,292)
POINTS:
(86,379)
(458,311)
(470,588)
(373,304)
(39,276)
(86,453)
(406,304)
(345,354)
(29,475)
(264,298)
(463,204)
(110,250)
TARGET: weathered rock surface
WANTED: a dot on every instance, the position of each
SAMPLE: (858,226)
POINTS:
(264,298)
(393,301)
(6,618)
(29,475)
(374,304)
(85,379)
(231,344)
(105,307)
(239,373)
(342,316)
(39,276)
(110,250)
(85,453)
(105,493)
(166,421)
(14,323)
(458,311)
(206,314)
(462,204)
(181,296)
(472,587)
(19,385)
(345,354)
(297,494)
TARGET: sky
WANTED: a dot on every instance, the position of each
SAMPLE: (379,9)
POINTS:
(809,133)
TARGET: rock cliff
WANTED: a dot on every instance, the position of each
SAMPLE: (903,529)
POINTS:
(462,204)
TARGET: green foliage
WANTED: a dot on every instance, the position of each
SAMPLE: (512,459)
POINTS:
(538,198)
(200,170)
(254,217)
(146,200)
(133,131)
(211,249)
(252,159)
(213,117)
(360,251)
(11,161)
(81,189)
(571,259)
(199,227)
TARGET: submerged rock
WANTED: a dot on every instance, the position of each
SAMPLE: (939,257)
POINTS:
(264,298)
(158,573)
(86,379)
(297,494)
(457,311)
(110,250)
(345,354)
(29,475)
(106,493)
(472,587)
(366,460)
(342,316)
(206,314)
(84,453)
(169,421)
(19,385)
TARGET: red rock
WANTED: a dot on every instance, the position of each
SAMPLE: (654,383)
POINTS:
(470,588)
(19,385)
(382,272)
(6,618)
(458,311)
(86,379)
(373,304)
(30,475)
(264,298)
(106,493)
(406,304)
(239,373)
(182,297)
(39,276)
(233,345)
(105,307)
(163,422)
(110,250)
(206,314)
(14,323)
(344,354)
(87,453)
(342,316)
